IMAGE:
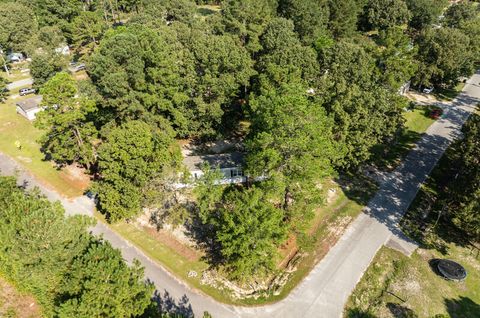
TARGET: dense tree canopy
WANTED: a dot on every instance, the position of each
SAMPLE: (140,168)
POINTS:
(382,14)
(424,13)
(131,155)
(68,270)
(249,229)
(440,63)
(70,133)
(17,25)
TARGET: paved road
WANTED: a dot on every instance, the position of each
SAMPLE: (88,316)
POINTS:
(19,83)
(325,290)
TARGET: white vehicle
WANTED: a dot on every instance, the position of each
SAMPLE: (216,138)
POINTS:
(428,90)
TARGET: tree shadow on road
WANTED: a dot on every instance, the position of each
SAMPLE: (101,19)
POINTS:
(166,304)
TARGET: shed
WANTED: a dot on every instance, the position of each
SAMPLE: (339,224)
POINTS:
(28,108)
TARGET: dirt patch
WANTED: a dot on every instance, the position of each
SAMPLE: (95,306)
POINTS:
(169,240)
(14,304)
(76,176)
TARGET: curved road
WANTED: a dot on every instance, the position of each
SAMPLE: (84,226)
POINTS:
(325,290)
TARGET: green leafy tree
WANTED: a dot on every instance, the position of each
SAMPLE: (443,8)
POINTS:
(424,13)
(383,14)
(222,69)
(283,57)
(130,156)
(343,17)
(69,271)
(249,229)
(70,133)
(100,284)
(397,58)
(472,29)
(310,17)
(44,66)
(55,12)
(352,94)
(139,73)
(462,195)
(247,19)
(459,13)
(18,25)
(291,145)
(49,38)
(441,63)
(87,29)
(37,242)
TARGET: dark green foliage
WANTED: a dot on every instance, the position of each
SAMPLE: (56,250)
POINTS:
(130,156)
(358,102)
(343,17)
(462,195)
(87,29)
(3,89)
(45,66)
(383,14)
(70,272)
(17,25)
(424,13)
(310,17)
(247,19)
(99,283)
(459,13)
(249,230)
(291,145)
(441,63)
(70,133)
(283,58)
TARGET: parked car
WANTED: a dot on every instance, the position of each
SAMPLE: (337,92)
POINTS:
(26,91)
(436,113)
(428,90)
(80,67)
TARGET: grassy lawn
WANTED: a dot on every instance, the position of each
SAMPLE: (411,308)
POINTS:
(416,123)
(14,127)
(329,221)
(15,73)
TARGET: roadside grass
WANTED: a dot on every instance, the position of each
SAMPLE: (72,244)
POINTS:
(448,94)
(326,226)
(14,303)
(14,127)
(416,123)
(397,286)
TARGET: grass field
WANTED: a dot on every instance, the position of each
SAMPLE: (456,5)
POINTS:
(13,128)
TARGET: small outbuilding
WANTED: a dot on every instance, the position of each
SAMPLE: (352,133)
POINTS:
(29,108)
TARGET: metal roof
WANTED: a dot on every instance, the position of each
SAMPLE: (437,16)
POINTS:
(222,161)
(30,103)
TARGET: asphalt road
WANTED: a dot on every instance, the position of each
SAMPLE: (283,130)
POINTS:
(19,83)
(324,291)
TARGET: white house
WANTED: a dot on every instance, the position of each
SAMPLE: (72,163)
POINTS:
(229,164)
(28,108)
